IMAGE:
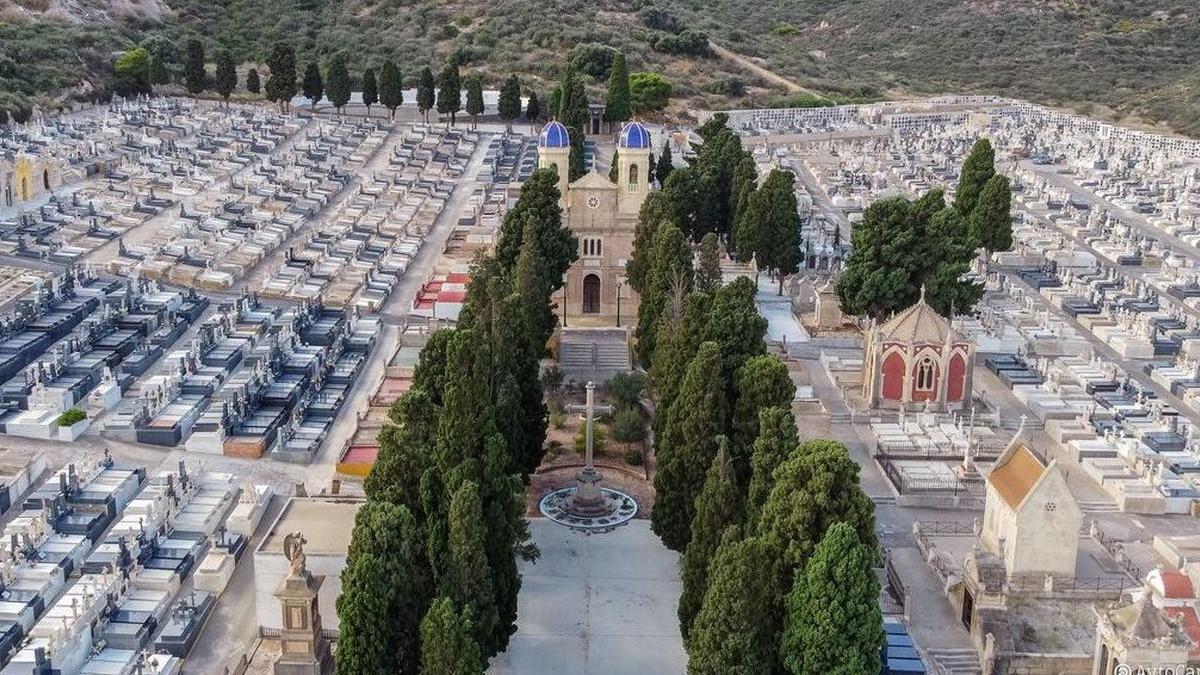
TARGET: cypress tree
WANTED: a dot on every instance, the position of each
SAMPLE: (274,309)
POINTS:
(698,415)
(574,114)
(719,505)
(734,632)
(662,171)
(370,89)
(881,274)
(833,620)
(672,272)
(449,93)
(614,168)
(405,447)
(312,86)
(193,67)
(475,105)
(762,382)
(533,108)
(708,265)
(385,591)
(693,193)
(158,71)
(736,326)
(391,87)
(779,230)
(655,209)
(281,85)
(977,169)
(775,443)
(814,488)
(425,93)
(252,83)
(467,579)
(991,222)
(226,78)
(617,105)
(337,88)
(509,104)
(447,645)
(679,336)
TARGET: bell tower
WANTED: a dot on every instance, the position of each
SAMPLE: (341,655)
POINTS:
(554,149)
(633,168)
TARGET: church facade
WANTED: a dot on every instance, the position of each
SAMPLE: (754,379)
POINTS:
(603,215)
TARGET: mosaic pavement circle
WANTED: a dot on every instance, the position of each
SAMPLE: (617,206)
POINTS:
(554,507)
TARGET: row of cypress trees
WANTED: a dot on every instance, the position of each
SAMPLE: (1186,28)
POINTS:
(431,581)
(777,537)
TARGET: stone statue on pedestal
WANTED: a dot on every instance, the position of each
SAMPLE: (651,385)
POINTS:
(304,650)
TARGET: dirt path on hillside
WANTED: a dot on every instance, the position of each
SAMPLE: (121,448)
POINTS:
(769,75)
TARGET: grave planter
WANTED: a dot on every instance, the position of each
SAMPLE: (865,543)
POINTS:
(72,433)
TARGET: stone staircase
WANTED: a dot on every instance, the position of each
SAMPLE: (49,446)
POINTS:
(593,353)
(1098,506)
(954,661)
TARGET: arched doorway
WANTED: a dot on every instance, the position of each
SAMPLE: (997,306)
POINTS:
(25,193)
(591,294)
(46,178)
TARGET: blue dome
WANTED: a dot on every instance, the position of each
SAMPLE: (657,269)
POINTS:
(554,135)
(635,136)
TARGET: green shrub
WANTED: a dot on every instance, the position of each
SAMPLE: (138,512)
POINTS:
(599,438)
(633,456)
(628,426)
(651,92)
(625,389)
(70,417)
(592,59)
(557,419)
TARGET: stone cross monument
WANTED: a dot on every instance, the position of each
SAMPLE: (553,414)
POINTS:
(304,651)
(589,500)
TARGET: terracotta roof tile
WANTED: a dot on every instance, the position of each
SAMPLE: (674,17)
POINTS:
(1014,478)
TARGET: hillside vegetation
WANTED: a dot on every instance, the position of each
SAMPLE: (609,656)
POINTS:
(1132,59)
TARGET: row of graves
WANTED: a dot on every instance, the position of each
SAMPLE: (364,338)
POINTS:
(357,256)
(361,450)
(214,239)
(78,343)
(255,380)
(164,158)
(97,562)
(509,160)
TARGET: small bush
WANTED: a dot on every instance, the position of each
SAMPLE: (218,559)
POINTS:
(633,456)
(599,438)
(628,426)
(71,417)
(557,419)
(554,447)
(625,389)
(448,32)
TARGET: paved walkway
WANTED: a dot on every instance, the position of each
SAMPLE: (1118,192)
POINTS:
(596,605)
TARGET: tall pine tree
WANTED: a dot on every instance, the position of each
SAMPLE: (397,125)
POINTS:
(337,86)
(775,443)
(226,77)
(697,417)
(762,382)
(475,105)
(467,579)
(194,77)
(449,92)
(977,169)
(662,170)
(281,85)
(447,643)
(391,87)
(385,592)
(708,264)
(833,620)
(252,83)
(991,222)
(618,103)
(671,274)
(509,104)
(370,89)
(313,86)
(735,631)
(425,93)
(719,505)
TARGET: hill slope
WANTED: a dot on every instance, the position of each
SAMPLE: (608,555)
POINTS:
(1117,58)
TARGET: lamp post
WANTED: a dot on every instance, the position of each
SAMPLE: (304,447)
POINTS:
(620,287)
(564,303)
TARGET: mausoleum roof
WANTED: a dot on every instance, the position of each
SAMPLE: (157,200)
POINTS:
(1015,475)
(918,324)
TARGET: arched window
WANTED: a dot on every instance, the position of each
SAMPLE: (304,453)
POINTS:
(925,373)
(633,177)
(46,178)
